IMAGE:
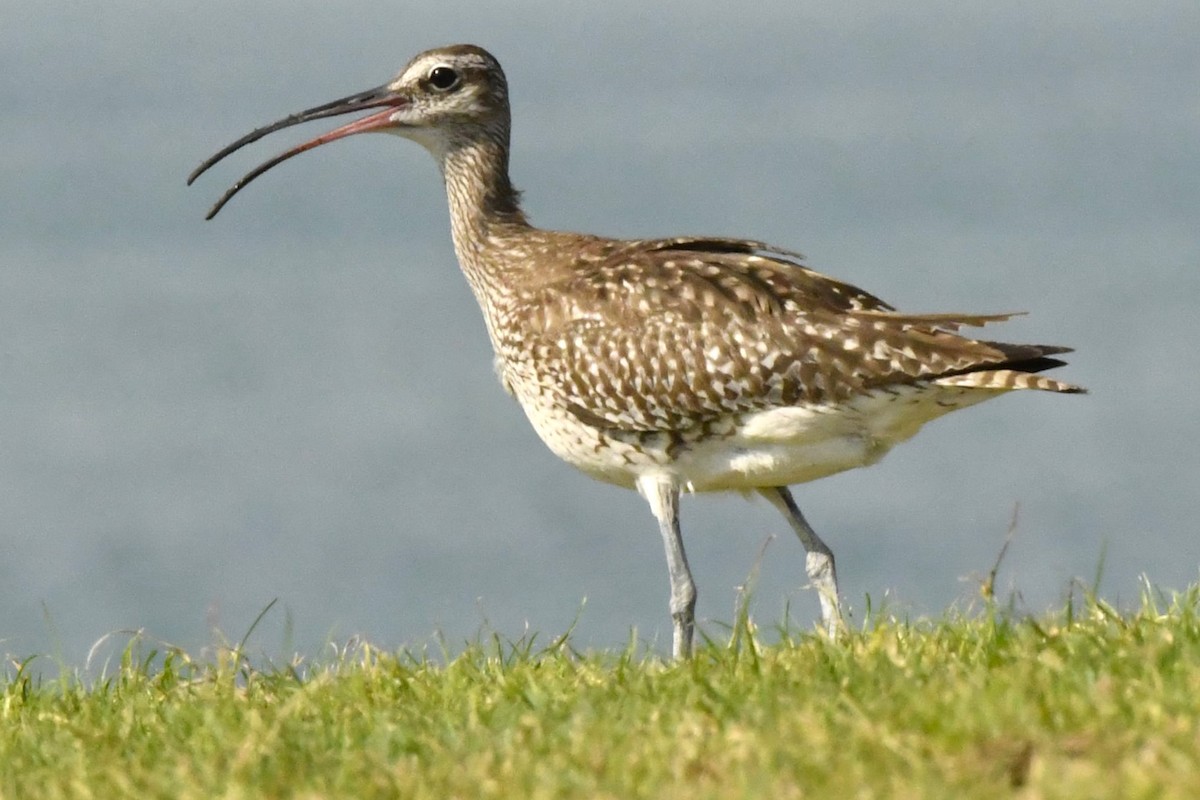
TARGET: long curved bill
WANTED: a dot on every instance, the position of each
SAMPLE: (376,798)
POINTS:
(380,96)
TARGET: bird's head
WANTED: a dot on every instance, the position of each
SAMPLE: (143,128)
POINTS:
(442,99)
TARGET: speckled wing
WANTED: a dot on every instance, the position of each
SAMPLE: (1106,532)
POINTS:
(668,335)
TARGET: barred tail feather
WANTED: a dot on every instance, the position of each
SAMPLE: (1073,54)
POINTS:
(1007,379)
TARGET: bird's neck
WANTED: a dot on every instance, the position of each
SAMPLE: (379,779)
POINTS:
(486,221)
(484,206)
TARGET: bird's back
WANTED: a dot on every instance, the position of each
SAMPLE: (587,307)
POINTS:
(647,352)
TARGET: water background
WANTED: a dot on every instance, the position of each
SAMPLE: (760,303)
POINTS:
(296,400)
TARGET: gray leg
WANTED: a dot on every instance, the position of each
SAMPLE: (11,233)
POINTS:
(819,561)
(662,493)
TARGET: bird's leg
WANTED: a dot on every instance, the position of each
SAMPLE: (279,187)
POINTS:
(662,493)
(819,561)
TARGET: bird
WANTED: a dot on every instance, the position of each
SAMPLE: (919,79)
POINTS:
(673,365)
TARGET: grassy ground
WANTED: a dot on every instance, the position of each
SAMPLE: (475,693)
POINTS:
(1086,703)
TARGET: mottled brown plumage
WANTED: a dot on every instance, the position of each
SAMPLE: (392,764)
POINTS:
(692,363)
(662,337)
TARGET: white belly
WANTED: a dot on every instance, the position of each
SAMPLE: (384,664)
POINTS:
(777,447)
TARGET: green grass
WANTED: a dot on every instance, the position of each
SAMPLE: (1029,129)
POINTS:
(1085,703)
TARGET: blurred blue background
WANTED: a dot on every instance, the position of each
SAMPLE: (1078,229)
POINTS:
(296,400)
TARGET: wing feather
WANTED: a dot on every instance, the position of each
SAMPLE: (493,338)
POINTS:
(665,335)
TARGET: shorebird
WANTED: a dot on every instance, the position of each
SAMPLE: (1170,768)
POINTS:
(695,363)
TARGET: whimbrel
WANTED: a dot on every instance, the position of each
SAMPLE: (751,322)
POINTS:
(696,364)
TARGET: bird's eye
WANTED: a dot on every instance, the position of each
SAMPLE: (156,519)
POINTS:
(443,78)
